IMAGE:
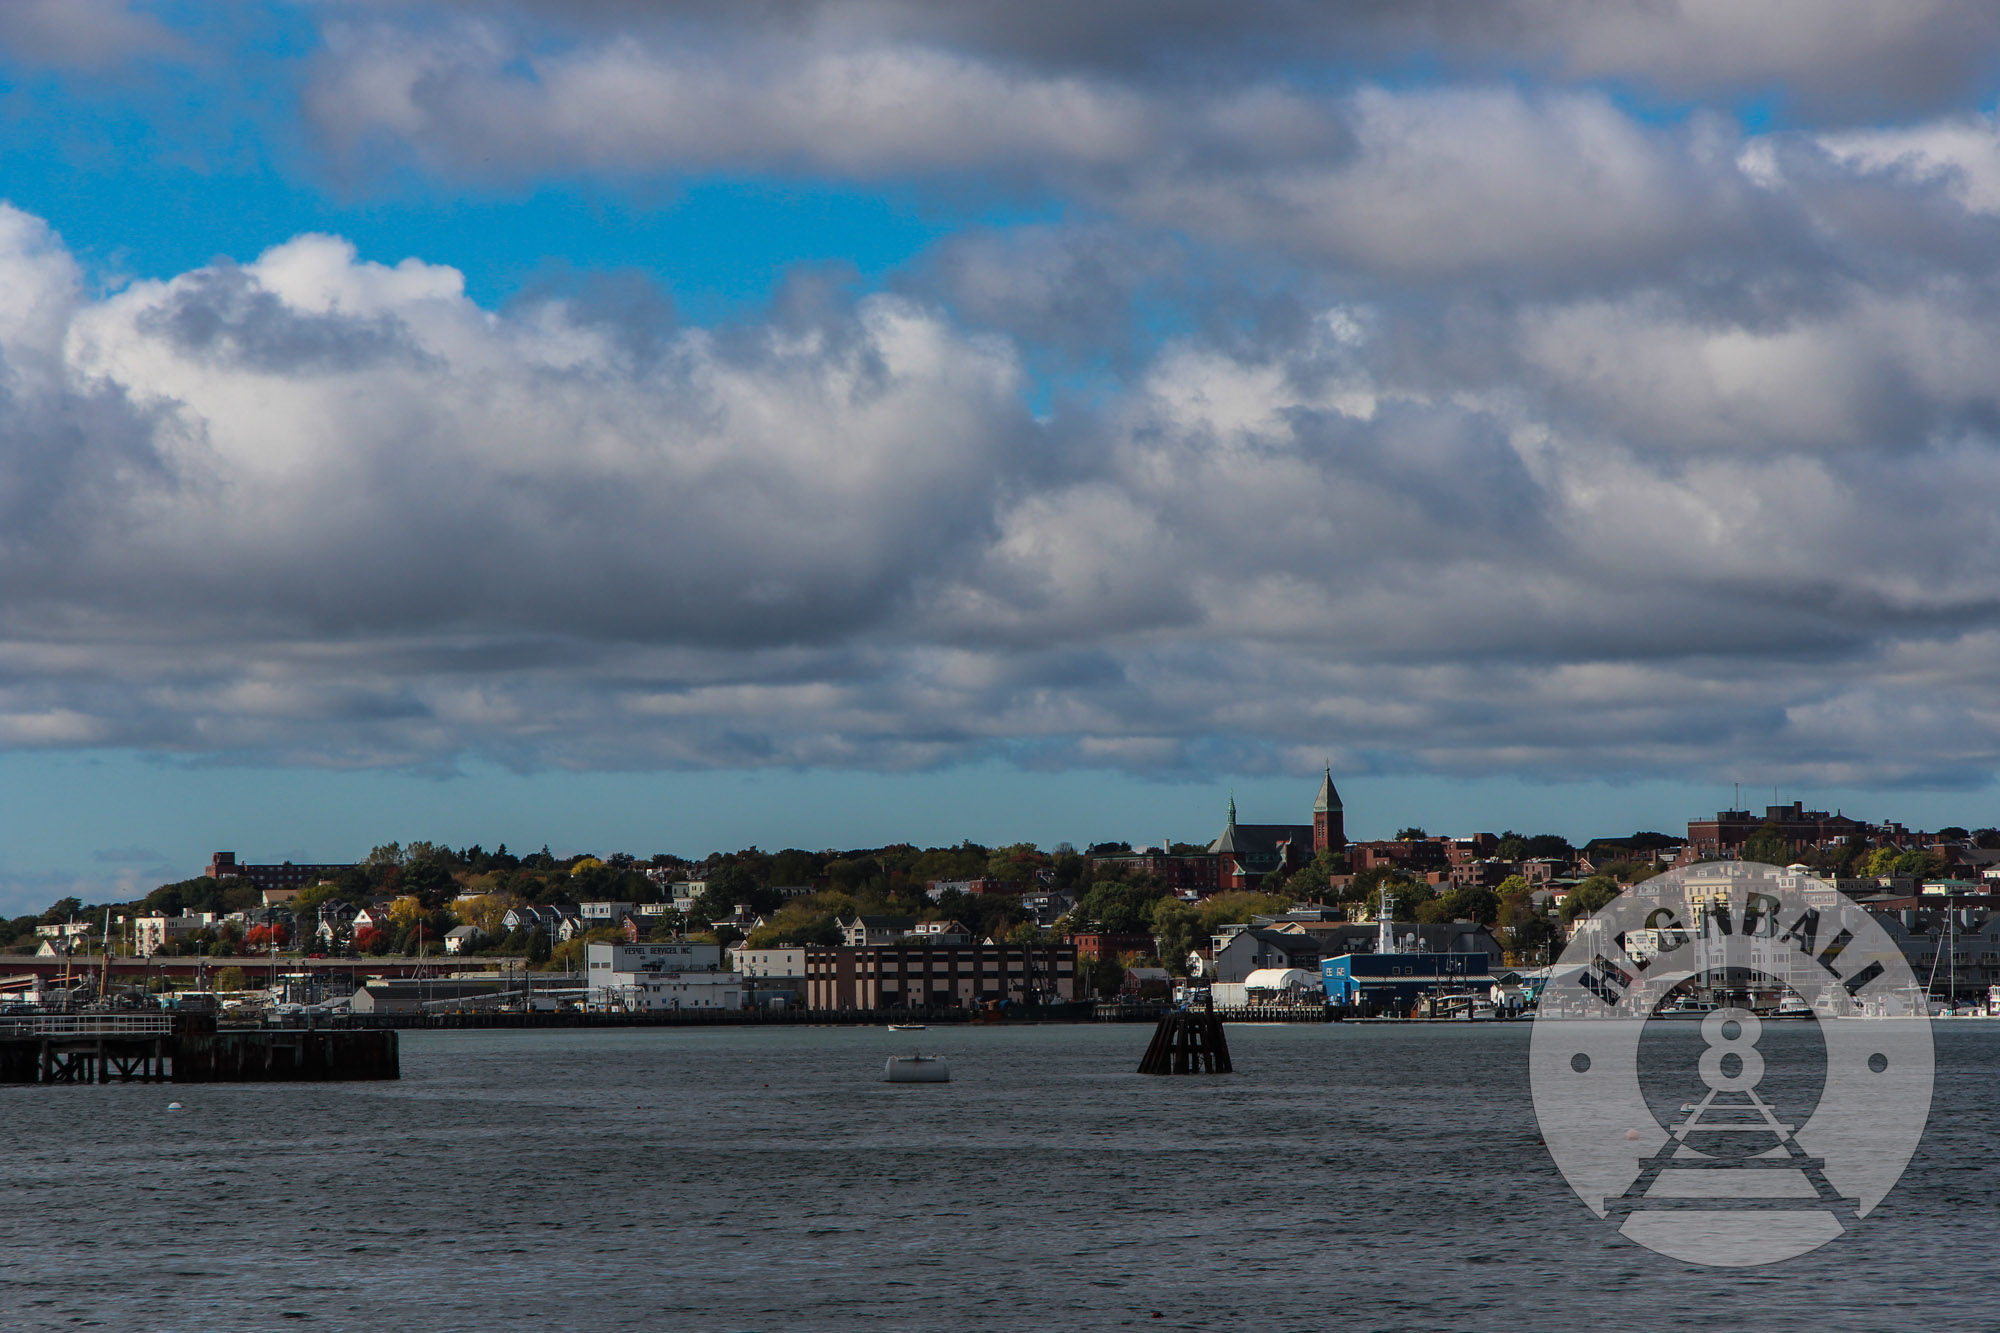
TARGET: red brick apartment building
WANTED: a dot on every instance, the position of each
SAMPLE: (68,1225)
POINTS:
(896,976)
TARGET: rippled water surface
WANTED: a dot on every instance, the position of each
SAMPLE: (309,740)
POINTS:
(1345,1177)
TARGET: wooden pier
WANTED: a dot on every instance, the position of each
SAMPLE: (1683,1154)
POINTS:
(1187,1041)
(158,1048)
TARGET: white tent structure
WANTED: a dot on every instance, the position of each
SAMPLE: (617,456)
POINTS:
(1270,985)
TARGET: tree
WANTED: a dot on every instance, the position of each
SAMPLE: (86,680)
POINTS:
(1921,865)
(484,912)
(1119,907)
(1768,845)
(372,939)
(1589,896)
(538,947)
(1411,834)
(728,885)
(428,882)
(1174,927)
(1310,882)
(389,854)
(1472,903)
(231,978)
(265,937)
(1882,861)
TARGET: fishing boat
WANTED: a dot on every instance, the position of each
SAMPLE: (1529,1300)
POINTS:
(906,1027)
(916,1069)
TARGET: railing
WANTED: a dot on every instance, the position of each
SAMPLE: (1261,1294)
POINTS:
(87,1025)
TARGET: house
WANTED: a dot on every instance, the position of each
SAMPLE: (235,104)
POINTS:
(603,914)
(375,916)
(1048,908)
(150,933)
(461,939)
(940,932)
(1262,947)
(864,931)
(740,919)
(1147,983)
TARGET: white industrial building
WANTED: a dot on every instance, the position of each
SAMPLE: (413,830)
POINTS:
(649,977)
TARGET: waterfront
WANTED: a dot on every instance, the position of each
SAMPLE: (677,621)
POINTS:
(1348,1176)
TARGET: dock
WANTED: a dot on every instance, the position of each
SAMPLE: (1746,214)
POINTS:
(185,1048)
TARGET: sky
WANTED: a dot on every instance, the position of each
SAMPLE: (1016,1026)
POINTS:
(683,425)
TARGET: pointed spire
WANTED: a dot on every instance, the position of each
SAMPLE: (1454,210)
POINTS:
(1329,799)
(1232,809)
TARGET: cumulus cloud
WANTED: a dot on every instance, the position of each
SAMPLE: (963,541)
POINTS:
(316,507)
(1474,423)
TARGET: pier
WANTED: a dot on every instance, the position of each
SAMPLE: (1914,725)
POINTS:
(161,1048)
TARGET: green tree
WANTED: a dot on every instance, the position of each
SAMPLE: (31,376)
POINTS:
(231,978)
(1589,896)
(1309,882)
(1411,834)
(538,947)
(429,883)
(1175,926)
(1119,907)
(1768,845)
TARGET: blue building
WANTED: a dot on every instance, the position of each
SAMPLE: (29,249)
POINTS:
(1383,982)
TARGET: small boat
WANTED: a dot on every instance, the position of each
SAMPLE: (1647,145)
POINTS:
(916,1069)
(1792,1007)
(906,1027)
(1687,1006)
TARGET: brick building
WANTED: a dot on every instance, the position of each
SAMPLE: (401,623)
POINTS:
(912,975)
(1722,837)
(285,875)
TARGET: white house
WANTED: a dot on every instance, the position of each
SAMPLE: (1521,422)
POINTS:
(461,939)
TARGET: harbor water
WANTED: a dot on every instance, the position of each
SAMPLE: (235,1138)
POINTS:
(1344,1177)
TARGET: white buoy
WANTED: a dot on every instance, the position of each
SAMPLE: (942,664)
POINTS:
(173,1106)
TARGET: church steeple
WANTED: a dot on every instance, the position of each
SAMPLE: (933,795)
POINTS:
(1329,822)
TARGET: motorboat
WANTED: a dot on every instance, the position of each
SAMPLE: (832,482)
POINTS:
(906,1027)
(1687,1006)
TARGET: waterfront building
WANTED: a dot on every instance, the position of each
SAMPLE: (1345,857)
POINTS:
(1395,977)
(679,974)
(912,974)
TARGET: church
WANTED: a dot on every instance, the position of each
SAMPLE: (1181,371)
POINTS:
(1247,854)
